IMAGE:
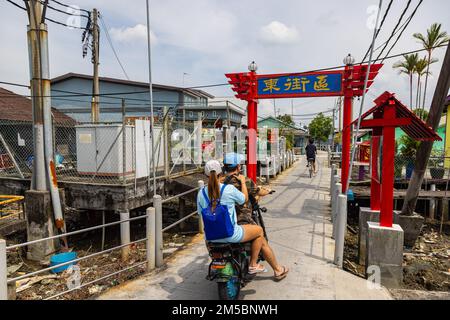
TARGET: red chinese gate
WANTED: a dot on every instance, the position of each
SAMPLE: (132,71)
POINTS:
(348,83)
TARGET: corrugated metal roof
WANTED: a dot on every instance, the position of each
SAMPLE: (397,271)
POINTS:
(417,130)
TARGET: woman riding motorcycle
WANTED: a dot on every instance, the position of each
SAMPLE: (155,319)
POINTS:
(231,197)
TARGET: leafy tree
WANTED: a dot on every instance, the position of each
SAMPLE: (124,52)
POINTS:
(286,130)
(287,119)
(321,127)
(434,38)
(408,67)
(421,70)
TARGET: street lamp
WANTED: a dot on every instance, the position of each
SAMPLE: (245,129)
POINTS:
(349,60)
(252,67)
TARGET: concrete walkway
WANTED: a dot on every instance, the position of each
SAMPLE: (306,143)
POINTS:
(299,230)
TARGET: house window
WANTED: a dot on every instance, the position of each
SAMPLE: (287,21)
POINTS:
(191,114)
(202,114)
(214,114)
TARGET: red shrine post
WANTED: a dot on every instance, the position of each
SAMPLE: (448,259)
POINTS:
(388,114)
(348,83)
(354,77)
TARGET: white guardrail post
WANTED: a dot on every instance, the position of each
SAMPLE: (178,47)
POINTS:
(157,204)
(201,229)
(267,170)
(3,271)
(334,208)
(340,230)
(332,182)
(151,238)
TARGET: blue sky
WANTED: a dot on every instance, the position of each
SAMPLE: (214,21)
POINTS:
(207,38)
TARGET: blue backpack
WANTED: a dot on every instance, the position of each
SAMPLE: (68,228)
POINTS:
(217,223)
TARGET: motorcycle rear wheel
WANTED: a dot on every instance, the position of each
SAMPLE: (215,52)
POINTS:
(229,290)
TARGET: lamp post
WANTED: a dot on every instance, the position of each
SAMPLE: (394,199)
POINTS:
(348,116)
(252,124)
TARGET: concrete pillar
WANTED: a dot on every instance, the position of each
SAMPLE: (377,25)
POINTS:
(125,234)
(335,206)
(365,215)
(341,229)
(432,204)
(3,271)
(384,253)
(40,224)
(157,204)
(151,237)
(332,181)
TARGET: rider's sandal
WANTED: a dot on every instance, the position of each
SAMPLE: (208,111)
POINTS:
(258,269)
(282,275)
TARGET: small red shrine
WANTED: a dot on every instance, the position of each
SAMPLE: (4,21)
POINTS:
(388,114)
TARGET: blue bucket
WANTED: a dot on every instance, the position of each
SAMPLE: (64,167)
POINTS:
(61,258)
(350,195)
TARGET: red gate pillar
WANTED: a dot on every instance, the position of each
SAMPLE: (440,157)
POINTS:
(346,130)
(252,124)
(387,171)
(375,182)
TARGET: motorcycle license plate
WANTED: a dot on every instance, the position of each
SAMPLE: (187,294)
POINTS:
(218,264)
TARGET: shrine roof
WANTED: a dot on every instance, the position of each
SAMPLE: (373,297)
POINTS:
(417,129)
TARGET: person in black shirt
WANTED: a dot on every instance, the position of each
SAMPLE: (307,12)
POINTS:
(311,152)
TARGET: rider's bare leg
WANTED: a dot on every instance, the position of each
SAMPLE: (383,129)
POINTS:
(255,234)
(270,257)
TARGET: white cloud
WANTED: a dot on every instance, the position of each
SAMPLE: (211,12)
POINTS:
(138,33)
(278,33)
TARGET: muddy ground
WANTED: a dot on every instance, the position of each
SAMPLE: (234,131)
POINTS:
(425,267)
(47,284)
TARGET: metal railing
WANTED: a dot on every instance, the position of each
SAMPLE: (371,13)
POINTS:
(153,240)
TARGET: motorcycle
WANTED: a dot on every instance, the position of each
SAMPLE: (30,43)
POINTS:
(230,262)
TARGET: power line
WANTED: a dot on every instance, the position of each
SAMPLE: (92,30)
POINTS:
(46,18)
(404,28)
(395,28)
(65,12)
(112,46)
(111,95)
(17,5)
(67,6)
(381,25)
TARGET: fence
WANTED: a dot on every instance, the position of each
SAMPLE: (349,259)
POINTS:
(153,246)
(105,153)
(436,169)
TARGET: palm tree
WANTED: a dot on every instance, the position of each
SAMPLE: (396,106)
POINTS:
(421,70)
(434,38)
(408,66)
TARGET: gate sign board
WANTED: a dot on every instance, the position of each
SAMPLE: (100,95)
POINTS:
(314,84)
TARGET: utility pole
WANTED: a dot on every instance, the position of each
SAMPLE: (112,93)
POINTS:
(424,150)
(292,109)
(35,41)
(95,114)
(274,109)
(43,198)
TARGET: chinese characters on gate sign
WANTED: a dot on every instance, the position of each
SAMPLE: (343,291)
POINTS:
(304,84)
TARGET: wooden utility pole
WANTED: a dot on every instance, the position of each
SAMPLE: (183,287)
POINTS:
(95,113)
(424,151)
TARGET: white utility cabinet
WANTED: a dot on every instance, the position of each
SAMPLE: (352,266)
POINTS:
(100,149)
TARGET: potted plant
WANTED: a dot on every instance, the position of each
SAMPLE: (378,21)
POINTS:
(436,164)
(408,152)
